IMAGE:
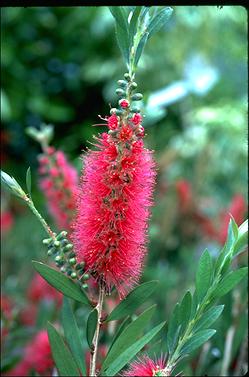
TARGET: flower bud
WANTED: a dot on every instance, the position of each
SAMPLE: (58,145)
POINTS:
(47,241)
(137,97)
(122,83)
(135,110)
(113,110)
(63,269)
(72,261)
(133,85)
(58,258)
(56,243)
(62,235)
(124,103)
(73,275)
(120,92)
(68,247)
(127,77)
(84,286)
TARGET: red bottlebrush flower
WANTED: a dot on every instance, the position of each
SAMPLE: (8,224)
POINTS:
(147,367)
(124,103)
(39,290)
(136,119)
(238,210)
(125,133)
(112,122)
(37,357)
(59,183)
(113,209)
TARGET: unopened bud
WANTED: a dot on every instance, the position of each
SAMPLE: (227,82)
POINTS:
(122,83)
(56,243)
(84,286)
(135,110)
(120,92)
(47,241)
(73,275)
(72,261)
(63,269)
(68,247)
(137,97)
(127,76)
(133,85)
(113,110)
(62,235)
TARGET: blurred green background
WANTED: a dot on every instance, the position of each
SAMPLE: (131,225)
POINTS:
(60,66)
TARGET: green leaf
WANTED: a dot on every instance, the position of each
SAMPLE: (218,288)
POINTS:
(242,240)
(128,337)
(185,310)
(196,341)
(61,354)
(121,18)
(123,325)
(133,24)
(61,282)
(173,329)
(72,336)
(131,351)
(140,48)
(204,275)
(232,233)
(91,326)
(28,181)
(123,42)
(229,281)
(12,185)
(159,20)
(133,300)
(209,317)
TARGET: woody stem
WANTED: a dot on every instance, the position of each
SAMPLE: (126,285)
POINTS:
(94,352)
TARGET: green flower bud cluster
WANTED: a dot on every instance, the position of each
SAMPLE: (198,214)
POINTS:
(125,91)
(62,252)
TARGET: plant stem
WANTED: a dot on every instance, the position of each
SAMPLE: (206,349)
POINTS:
(39,216)
(99,308)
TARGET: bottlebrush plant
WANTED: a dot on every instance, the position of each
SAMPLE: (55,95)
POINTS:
(107,240)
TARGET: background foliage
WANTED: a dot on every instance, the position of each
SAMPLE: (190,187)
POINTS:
(60,66)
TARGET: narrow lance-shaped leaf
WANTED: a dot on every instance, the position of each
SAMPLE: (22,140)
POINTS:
(61,282)
(140,48)
(133,24)
(185,310)
(172,329)
(131,351)
(28,181)
(196,341)
(229,281)
(208,318)
(133,300)
(61,354)
(121,328)
(72,336)
(204,275)
(123,42)
(91,326)
(128,337)
(159,20)
(119,13)
(242,239)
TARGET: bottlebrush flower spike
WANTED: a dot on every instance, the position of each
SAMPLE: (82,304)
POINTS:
(113,208)
(147,367)
(59,182)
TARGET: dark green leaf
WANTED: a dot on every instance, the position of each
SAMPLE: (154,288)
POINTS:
(229,281)
(128,337)
(204,275)
(61,354)
(72,336)
(91,326)
(242,239)
(61,282)
(28,181)
(172,329)
(133,24)
(123,42)
(121,17)
(123,325)
(130,352)
(133,300)
(185,311)
(140,48)
(209,317)
(159,20)
(196,341)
